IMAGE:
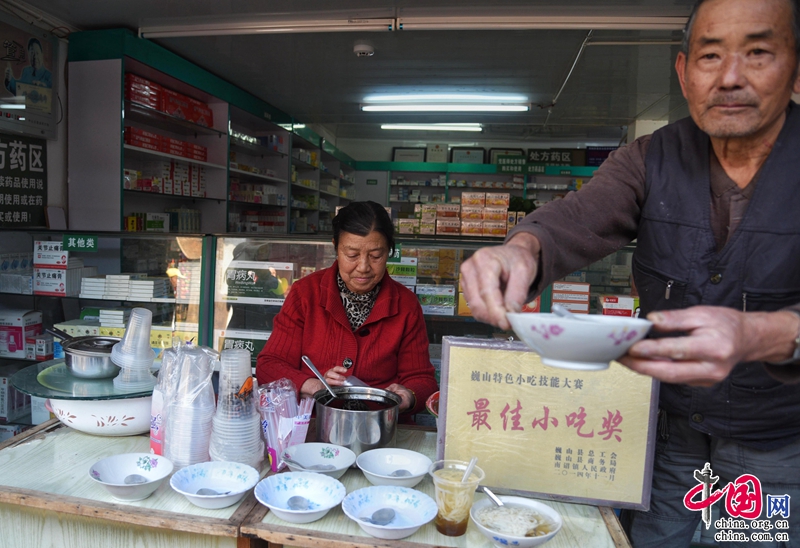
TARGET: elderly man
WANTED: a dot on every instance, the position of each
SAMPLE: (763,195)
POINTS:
(712,201)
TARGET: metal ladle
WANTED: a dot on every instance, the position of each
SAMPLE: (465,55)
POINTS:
(559,310)
(206,492)
(313,467)
(307,361)
(400,473)
(492,496)
(384,516)
(297,503)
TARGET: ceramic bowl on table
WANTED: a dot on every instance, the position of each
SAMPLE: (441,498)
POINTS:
(432,404)
(504,539)
(588,342)
(321,493)
(393,466)
(321,454)
(109,417)
(131,476)
(215,484)
(412,510)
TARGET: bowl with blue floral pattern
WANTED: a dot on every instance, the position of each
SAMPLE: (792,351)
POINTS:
(409,510)
(300,497)
(585,342)
(215,484)
(131,476)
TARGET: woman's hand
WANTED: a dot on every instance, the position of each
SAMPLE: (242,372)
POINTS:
(408,400)
(333,376)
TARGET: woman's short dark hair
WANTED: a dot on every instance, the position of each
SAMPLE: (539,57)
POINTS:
(361,218)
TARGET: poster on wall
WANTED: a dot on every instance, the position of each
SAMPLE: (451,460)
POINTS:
(23,181)
(28,101)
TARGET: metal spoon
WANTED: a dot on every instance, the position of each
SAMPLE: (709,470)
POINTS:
(384,516)
(492,496)
(133,479)
(297,503)
(313,467)
(400,473)
(314,370)
(204,491)
(559,310)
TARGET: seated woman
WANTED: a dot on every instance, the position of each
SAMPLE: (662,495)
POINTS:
(353,319)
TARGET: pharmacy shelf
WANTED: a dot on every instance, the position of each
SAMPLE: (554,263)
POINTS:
(144,153)
(257,176)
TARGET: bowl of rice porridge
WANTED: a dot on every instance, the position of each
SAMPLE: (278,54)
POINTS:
(519,522)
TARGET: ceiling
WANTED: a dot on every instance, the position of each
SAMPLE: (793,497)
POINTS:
(318,79)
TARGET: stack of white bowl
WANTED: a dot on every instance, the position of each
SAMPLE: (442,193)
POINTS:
(192,406)
(134,355)
(236,427)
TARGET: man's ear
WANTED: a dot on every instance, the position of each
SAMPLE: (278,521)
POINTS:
(680,68)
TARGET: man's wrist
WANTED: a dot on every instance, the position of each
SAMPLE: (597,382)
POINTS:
(528,241)
(794,350)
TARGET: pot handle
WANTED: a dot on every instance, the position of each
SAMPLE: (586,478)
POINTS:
(58,333)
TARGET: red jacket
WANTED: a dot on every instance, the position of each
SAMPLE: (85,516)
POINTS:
(391,346)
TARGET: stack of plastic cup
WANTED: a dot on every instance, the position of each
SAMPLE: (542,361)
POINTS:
(236,427)
(134,355)
(190,410)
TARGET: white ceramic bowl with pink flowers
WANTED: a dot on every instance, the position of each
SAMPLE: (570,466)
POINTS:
(588,342)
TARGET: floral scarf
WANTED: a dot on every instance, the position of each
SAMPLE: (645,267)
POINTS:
(357,306)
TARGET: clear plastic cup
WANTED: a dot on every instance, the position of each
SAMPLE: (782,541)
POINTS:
(453,496)
(134,350)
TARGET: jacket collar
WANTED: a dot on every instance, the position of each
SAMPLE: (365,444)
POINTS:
(385,303)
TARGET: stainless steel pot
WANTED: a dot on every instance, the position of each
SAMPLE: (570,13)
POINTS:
(360,418)
(89,357)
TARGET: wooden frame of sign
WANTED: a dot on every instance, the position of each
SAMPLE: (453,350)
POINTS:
(402,154)
(495,152)
(467,155)
(553,433)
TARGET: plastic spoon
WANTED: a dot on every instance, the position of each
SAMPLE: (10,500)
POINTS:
(297,503)
(559,310)
(472,462)
(384,516)
(492,496)
(314,370)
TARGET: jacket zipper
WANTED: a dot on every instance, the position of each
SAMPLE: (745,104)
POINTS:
(744,302)
(669,288)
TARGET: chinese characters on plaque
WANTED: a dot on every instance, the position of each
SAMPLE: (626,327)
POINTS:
(569,433)
(23,181)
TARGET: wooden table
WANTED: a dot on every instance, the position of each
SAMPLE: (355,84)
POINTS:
(584,526)
(47,499)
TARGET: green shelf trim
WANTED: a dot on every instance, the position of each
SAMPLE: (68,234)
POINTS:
(574,171)
(427,167)
(98,45)
(308,135)
(338,154)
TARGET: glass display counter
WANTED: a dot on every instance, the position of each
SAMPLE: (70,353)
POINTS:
(52,379)
(83,283)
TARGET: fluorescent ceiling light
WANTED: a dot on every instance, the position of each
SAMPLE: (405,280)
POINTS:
(445,107)
(530,22)
(434,127)
(12,106)
(298,126)
(273,25)
(446,98)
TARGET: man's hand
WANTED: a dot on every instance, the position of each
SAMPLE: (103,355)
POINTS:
(717,338)
(497,279)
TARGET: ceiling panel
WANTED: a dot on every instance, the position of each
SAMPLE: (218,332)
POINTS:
(318,79)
